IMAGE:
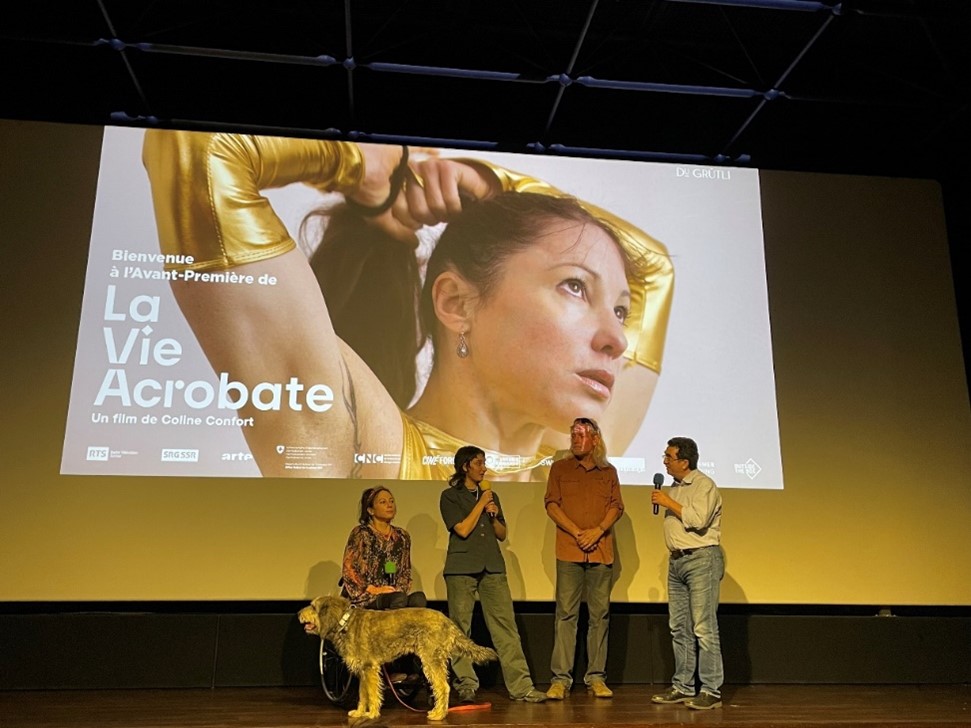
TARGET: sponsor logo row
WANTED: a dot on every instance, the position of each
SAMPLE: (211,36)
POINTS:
(102,453)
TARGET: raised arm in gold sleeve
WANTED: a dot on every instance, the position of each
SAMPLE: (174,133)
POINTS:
(206,194)
(206,190)
(651,293)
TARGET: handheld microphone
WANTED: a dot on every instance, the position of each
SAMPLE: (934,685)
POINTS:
(658,482)
(390,569)
(484,486)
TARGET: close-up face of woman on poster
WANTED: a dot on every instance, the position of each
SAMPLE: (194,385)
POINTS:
(523,311)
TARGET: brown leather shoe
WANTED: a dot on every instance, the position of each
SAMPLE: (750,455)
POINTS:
(600,690)
(557,691)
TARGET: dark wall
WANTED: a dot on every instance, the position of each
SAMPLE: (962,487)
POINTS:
(142,649)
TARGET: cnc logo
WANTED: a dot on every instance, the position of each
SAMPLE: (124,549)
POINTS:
(368,458)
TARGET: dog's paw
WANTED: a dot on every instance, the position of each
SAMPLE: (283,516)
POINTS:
(437,713)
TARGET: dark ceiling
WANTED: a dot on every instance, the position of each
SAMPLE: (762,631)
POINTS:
(869,86)
(862,86)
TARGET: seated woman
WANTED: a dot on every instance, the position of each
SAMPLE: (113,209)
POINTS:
(376,571)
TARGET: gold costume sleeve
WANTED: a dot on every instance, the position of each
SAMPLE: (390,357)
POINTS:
(651,291)
(427,453)
(206,191)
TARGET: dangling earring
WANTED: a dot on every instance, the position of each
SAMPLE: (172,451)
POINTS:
(463,348)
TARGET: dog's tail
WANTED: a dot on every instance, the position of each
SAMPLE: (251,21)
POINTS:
(477,653)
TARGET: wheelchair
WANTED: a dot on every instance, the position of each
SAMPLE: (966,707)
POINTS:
(340,686)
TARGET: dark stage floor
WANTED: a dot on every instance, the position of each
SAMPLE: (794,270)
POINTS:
(763,706)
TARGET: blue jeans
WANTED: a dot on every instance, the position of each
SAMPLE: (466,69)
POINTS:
(493,593)
(571,581)
(693,584)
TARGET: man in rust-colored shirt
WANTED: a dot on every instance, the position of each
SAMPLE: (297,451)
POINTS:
(583,499)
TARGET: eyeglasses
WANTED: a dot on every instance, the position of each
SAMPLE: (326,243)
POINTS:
(665,456)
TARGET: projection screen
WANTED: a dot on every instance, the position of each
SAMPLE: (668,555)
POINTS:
(145,400)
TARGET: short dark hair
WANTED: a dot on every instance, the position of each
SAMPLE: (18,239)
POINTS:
(463,456)
(687,450)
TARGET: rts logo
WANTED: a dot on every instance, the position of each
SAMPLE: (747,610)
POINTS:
(97,453)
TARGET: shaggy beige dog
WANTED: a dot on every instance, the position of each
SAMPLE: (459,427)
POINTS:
(366,639)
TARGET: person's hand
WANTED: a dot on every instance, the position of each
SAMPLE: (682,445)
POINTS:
(659,497)
(492,509)
(378,590)
(380,161)
(587,538)
(486,498)
(435,189)
(432,192)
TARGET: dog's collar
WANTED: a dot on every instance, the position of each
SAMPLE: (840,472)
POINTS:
(342,622)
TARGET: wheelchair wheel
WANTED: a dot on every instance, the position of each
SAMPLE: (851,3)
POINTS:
(339,685)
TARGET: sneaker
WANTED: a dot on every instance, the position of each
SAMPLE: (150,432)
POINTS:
(463,697)
(533,696)
(705,701)
(557,691)
(600,690)
(671,695)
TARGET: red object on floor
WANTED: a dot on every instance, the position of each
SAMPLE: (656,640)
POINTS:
(470,706)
